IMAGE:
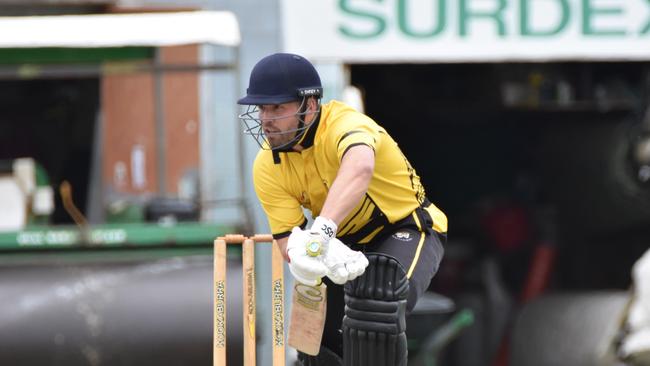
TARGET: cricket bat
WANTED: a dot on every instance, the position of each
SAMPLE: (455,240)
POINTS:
(308,308)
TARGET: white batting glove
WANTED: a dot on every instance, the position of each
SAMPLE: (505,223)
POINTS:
(325,229)
(305,267)
(344,264)
(316,239)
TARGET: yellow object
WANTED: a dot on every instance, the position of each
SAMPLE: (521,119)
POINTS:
(314,248)
(302,179)
(65,189)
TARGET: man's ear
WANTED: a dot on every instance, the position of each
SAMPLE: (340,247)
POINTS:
(313,104)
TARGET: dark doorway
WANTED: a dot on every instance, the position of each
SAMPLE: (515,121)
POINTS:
(53,122)
(506,141)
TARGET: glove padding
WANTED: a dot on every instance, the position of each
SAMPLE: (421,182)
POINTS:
(304,268)
(343,264)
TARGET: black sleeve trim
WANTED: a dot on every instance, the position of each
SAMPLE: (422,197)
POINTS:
(346,135)
(356,144)
(281,235)
(284,234)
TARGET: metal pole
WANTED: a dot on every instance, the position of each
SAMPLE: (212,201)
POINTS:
(161,157)
(243,172)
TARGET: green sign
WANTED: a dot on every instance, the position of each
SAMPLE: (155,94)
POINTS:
(589,14)
(111,235)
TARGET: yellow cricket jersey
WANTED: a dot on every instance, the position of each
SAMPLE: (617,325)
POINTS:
(303,179)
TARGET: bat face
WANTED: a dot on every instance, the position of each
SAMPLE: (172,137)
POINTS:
(308,308)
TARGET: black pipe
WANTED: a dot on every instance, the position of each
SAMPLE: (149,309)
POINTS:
(155,312)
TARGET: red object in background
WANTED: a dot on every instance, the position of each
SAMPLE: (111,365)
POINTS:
(539,272)
(537,280)
(507,226)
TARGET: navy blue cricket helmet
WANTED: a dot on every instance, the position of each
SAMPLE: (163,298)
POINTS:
(281,78)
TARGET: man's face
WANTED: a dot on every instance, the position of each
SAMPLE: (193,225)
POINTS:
(279,122)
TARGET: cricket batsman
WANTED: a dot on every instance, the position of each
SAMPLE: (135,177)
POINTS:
(375,240)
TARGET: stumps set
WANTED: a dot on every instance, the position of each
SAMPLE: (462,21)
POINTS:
(249,303)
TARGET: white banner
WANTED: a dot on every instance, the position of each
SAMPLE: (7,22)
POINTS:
(118,30)
(467,30)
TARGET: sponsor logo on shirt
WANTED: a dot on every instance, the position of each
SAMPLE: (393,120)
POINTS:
(402,236)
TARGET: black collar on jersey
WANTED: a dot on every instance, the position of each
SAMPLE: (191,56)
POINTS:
(306,141)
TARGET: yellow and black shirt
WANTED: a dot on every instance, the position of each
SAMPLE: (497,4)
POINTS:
(287,180)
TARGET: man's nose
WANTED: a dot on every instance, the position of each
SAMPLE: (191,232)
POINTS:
(265,118)
(265,121)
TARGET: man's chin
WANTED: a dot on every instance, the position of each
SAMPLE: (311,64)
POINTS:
(276,144)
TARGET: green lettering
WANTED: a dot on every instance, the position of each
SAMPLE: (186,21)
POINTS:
(466,14)
(379,22)
(589,12)
(402,20)
(646,29)
(524,18)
